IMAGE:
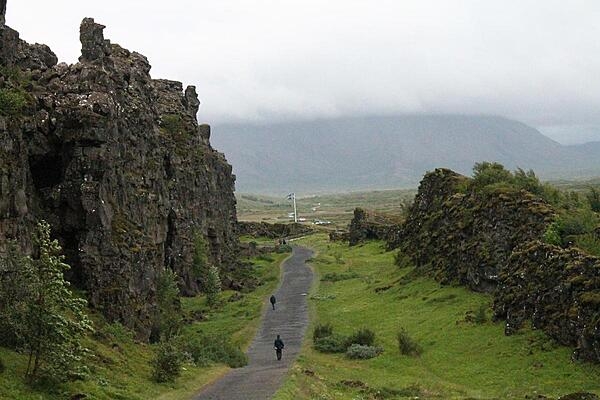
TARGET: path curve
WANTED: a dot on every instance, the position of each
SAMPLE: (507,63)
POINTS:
(263,375)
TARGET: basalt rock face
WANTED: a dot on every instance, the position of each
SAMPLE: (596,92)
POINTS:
(464,236)
(117,164)
(490,240)
(370,225)
(558,290)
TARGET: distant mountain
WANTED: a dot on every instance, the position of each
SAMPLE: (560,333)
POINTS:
(385,152)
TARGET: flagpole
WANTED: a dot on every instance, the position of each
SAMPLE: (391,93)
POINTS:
(295,213)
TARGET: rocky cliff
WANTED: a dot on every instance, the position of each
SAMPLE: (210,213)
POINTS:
(490,240)
(467,236)
(116,162)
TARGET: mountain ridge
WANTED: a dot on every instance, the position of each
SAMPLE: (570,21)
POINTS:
(379,152)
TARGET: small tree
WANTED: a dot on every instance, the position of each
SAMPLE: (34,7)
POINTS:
(213,285)
(169,306)
(200,262)
(55,320)
(593,197)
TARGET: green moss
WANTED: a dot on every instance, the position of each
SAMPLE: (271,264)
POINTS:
(12,101)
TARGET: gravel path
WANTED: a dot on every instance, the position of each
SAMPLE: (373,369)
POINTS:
(263,375)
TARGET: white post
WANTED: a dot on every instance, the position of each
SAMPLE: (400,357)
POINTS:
(295,213)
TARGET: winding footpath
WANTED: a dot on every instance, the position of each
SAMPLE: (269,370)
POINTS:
(263,375)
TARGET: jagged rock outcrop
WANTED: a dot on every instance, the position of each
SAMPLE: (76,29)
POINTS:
(370,225)
(465,236)
(490,240)
(115,161)
(273,231)
(558,290)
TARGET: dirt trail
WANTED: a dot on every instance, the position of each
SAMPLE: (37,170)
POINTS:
(263,375)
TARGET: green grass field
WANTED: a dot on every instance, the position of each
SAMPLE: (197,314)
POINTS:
(461,360)
(120,366)
(337,208)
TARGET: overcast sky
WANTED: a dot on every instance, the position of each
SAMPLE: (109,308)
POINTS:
(536,61)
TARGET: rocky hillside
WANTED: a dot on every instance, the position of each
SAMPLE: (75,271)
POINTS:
(389,152)
(115,161)
(490,240)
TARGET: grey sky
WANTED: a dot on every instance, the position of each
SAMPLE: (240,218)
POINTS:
(537,61)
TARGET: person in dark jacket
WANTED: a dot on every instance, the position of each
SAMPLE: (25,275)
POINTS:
(278,347)
(273,300)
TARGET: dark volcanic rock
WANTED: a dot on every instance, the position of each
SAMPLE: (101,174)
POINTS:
(116,162)
(467,237)
(489,240)
(273,231)
(558,290)
(369,225)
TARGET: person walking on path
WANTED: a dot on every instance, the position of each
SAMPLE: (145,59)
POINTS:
(278,347)
(273,300)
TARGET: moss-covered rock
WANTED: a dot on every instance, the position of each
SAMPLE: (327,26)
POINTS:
(116,162)
(371,225)
(467,236)
(558,290)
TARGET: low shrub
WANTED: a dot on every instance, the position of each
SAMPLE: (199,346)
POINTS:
(206,350)
(480,316)
(167,361)
(358,351)
(407,345)
(118,332)
(336,277)
(364,336)
(2,367)
(11,102)
(331,344)
(283,248)
(322,330)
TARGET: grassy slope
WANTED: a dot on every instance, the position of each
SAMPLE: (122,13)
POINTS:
(460,359)
(121,369)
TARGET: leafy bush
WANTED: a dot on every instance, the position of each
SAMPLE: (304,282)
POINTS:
(331,344)
(283,248)
(167,362)
(2,368)
(213,285)
(118,332)
(407,345)
(359,351)
(12,102)
(341,276)
(169,307)
(589,243)
(552,234)
(322,330)
(206,350)
(41,313)
(480,316)
(593,198)
(364,336)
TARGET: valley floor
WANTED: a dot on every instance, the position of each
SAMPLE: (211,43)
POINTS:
(460,359)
